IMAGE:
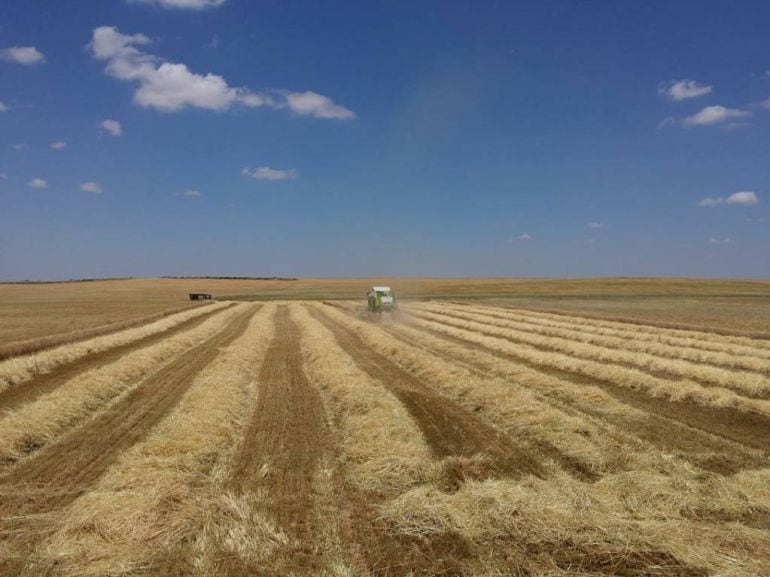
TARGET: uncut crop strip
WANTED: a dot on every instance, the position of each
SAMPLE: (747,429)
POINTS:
(18,370)
(724,354)
(701,337)
(150,508)
(30,346)
(54,478)
(610,350)
(40,384)
(596,425)
(448,428)
(592,361)
(35,424)
(696,407)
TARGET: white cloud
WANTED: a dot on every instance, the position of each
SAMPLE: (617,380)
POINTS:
(58,145)
(171,87)
(711,115)
(112,127)
(267,173)
(26,55)
(523,237)
(189,193)
(312,104)
(37,183)
(711,201)
(720,241)
(181,4)
(743,197)
(3,107)
(92,187)
(163,85)
(684,89)
(765,104)
(21,146)
(595,225)
(3,176)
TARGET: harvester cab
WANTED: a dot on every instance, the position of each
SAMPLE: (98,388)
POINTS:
(381,298)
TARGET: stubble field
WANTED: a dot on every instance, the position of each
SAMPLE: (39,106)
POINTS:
(298,437)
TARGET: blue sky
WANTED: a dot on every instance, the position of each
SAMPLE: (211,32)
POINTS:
(257,137)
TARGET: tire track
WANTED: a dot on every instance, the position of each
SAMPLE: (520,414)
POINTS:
(691,430)
(53,478)
(17,395)
(449,430)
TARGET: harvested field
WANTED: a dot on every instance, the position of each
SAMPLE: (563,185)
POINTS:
(312,438)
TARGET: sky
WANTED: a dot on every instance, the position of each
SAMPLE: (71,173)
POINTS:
(265,137)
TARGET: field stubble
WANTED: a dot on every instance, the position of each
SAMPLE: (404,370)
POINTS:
(308,439)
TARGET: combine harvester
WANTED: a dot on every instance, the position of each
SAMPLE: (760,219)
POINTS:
(381,298)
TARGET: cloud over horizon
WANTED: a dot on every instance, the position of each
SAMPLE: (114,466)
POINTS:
(677,90)
(746,198)
(267,173)
(711,115)
(171,87)
(181,4)
(189,193)
(92,187)
(24,55)
(112,127)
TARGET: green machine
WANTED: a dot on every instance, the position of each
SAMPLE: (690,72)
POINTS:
(380,298)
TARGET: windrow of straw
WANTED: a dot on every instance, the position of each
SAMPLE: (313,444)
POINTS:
(518,411)
(759,363)
(703,338)
(382,447)
(28,346)
(742,355)
(673,389)
(642,515)
(17,370)
(605,349)
(151,505)
(635,524)
(39,422)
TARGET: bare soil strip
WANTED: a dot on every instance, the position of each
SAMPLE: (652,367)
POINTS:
(285,442)
(447,427)
(63,471)
(18,395)
(689,430)
(35,345)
